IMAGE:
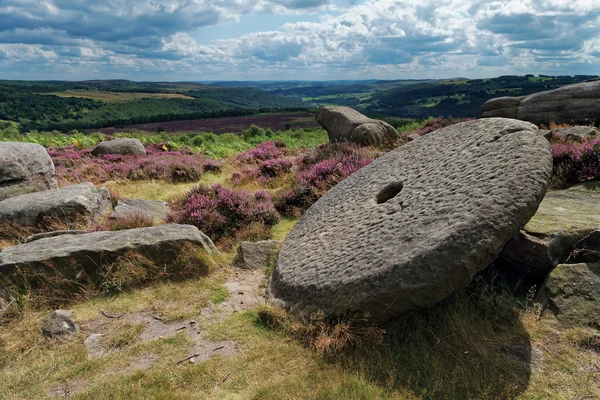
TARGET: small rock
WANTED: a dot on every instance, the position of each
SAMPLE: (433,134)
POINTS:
(256,255)
(93,345)
(123,146)
(59,323)
(154,210)
(577,133)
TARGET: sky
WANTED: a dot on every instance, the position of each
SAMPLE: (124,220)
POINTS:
(201,40)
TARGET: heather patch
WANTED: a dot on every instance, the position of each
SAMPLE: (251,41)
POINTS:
(219,211)
(264,151)
(575,162)
(74,165)
(320,170)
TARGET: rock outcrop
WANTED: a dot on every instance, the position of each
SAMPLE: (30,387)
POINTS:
(123,146)
(256,255)
(24,168)
(563,218)
(415,225)
(76,203)
(343,124)
(573,104)
(91,251)
(155,210)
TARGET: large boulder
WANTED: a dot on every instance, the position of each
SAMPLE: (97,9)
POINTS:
(91,251)
(563,218)
(343,124)
(76,203)
(415,225)
(502,107)
(572,293)
(573,104)
(123,146)
(24,168)
(154,210)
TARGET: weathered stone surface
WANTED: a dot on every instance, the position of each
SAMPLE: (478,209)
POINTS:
(69,204)
(59,323)
(413,136)
(155,210)
(92,250)
(123,146)
(574,104)
(415,225)
(502,107)
(24,168)
(572,293)
(93,345)
(255,255)
(563,218)
(43,235)
(343,124)
(577,133)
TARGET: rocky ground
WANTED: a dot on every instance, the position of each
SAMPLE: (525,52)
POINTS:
(506,307)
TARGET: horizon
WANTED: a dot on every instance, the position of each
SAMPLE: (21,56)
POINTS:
(296,40)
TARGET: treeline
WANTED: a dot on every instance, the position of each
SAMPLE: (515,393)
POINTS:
(25,103)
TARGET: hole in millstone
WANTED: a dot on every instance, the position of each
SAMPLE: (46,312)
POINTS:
(389,192)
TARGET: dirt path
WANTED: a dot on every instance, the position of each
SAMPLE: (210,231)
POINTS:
(245,293)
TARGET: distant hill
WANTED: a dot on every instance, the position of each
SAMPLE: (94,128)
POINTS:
(457,97)
(48,105)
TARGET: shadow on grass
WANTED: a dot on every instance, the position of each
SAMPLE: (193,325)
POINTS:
(471,346)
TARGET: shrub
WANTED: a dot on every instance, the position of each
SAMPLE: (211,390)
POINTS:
(219,211)
(275,167)
(253,131)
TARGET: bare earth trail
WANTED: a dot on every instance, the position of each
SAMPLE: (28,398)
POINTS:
(244,294)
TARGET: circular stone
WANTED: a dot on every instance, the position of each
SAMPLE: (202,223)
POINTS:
(415,225)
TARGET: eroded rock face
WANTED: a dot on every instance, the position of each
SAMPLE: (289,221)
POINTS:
(155,210)
(415,225)
(563,218)
(93,250)
(123,146)
(82,202)
(343,124)
(24,168)
(574,104)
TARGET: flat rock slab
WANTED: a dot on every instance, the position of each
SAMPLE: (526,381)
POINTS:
(414,226)
(25,168)
(344,124)
(563,218)
(577,133)
(154,210)
(122,146)
(92,250)
(76,203)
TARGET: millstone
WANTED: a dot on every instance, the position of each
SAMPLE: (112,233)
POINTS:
(414,226)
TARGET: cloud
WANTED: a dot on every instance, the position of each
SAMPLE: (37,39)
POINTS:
(373,38)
